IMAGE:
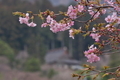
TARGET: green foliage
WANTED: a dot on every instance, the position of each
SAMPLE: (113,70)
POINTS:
(115,59)
(6,50)
(51,73)
(32,65)
(48,73)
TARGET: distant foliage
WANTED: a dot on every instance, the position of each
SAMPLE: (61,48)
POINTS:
(51,73)
(6,50)
(32,65)
(48,73)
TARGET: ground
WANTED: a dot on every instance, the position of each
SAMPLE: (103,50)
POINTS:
(6,73)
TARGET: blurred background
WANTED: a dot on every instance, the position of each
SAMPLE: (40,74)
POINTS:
(28,53)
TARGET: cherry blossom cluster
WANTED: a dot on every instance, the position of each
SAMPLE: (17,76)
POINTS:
(90,54)
(113,18)
(110,30)
(25,20)
(112,3)
(55,26)
(95,13)
(95,8)
(95,36)
(72,11)
(112,21)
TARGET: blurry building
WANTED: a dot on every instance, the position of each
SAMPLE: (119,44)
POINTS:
(60,58)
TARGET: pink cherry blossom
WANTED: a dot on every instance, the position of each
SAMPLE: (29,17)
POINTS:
(90,54)
(71,33)
(44,25)
(49,19)
(111,3)
(23,20)
(70,8)
(112,18)
(93,13)
(73,15)
(32,24)
(95,36)
(55,26)
(108,19)
(80,8)
(92,58)
(92,49)
(109,27)
(72,12)
(103,11)
(97,15)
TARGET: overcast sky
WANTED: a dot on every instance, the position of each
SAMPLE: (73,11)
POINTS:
(61,2)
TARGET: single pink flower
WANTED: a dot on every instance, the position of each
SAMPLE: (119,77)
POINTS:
(32,24)
(95,36)
(71,33)
(73,15)
(80,8)
(108,19)
(23,20)
(49,19)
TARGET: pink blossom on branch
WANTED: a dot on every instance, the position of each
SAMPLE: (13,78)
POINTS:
(71,33)
(44,25)
(92,49)
(93,13)
(32,24)
(90,54)
(95,36)
(111,3)
(80,8)
(55,26)
(72,11)
(23,20)
(49,19)
(94,10)
(113,18)
(92,58)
